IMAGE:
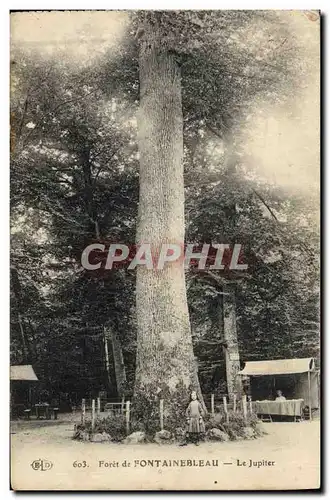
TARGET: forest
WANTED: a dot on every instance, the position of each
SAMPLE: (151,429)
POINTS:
(155,139)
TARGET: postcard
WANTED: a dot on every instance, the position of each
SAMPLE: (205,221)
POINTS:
(165,250)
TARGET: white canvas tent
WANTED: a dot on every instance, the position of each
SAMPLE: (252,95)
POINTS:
(23,372)
(303,370)
(22,378)
(278,367)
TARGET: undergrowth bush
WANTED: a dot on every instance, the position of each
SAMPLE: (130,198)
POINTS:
(145,418)
(235,427)
(146,414)
(114,425)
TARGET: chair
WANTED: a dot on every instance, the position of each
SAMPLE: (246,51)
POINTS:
(27,413)
(55,413)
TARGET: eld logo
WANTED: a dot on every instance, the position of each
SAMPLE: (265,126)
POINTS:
(41,465)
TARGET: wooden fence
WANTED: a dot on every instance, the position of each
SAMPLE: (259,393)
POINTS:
(122,409)
(245,405)
(93,407)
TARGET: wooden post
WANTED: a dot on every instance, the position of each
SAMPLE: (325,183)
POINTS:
(225,408)
(250,404)
(83,411)
(98,407)
(235,397)
(212,404)
(309,396)
(244,408)
(122,405)
(161,413)
(127,416)
(93,414)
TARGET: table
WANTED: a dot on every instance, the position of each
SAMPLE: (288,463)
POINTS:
(42,410)
(290,407)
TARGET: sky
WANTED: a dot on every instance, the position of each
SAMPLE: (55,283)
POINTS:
(79,36)
(285,142)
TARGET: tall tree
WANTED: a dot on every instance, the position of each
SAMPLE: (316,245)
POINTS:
(165,358)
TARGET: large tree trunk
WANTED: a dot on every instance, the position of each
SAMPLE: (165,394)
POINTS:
(165,359)
(26,348)
(118,361)
(234,383)
(106,358)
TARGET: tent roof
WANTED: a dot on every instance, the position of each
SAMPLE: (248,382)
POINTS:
(278,367)
(22,372)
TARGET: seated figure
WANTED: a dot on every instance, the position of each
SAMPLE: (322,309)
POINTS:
(279,396)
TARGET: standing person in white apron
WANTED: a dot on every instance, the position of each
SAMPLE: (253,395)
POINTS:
(194,414)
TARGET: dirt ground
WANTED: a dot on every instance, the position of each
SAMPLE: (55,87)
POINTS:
(288,457)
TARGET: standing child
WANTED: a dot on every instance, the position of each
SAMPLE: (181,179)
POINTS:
(194,415)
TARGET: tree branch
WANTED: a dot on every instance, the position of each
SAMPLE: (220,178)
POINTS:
(266,204)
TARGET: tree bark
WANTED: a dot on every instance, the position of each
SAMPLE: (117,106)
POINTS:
(89,190)
(106,357)
(165,358)
(118,361)
(234,384)
(26,349)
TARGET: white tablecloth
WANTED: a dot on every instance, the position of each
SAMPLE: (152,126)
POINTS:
(290,407)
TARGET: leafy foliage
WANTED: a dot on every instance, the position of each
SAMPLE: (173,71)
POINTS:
(235,426)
